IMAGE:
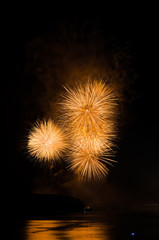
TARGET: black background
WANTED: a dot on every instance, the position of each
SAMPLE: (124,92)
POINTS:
(135,176)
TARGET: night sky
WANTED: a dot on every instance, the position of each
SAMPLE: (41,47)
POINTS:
(52,48)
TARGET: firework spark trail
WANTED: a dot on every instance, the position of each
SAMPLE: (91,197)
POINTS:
(89,116)
(46,141)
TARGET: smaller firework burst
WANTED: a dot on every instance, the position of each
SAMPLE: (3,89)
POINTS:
(46,141)
(88,164)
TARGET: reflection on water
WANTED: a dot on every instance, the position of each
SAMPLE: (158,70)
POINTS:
(90,226)
(59,229)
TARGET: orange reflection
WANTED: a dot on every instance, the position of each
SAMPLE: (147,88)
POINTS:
(65,229)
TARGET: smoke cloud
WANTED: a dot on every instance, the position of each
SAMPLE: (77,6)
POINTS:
(68,54)
(72,53)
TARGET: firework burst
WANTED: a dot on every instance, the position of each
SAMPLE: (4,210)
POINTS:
(89,113)
(87,164)
(46,141)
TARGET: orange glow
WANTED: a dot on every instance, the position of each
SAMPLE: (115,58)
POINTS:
(62,229)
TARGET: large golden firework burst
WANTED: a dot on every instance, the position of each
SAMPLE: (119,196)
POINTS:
(89,116)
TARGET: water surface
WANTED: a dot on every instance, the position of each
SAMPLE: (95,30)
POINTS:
(93,226)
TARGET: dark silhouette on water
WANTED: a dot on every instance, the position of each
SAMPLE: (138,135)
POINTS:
(50,204)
